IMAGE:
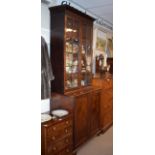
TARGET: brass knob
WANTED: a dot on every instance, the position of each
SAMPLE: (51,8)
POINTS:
(54,128)
(53,138)
(67,140)
(67,122)
(54,148)
(67,150)
(66,131)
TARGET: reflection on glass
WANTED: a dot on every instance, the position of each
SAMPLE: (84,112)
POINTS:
(69,59)
(68,47)
(72,53)
(75,48)
(68,70)
(72,81)
(85,79)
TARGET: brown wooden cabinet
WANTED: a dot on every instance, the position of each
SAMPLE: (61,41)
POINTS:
(86,114)
(71,48)
(57,137)
(106,106)
(71,57)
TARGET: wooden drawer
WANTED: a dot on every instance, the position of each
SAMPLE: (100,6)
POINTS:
(66,151)
(57,131)
(54,148)
(56,136)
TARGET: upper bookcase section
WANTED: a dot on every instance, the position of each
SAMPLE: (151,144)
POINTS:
(71,48)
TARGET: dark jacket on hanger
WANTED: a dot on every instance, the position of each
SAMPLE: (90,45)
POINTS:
(46,71)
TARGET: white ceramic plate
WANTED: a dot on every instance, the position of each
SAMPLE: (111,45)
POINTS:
(45,117)
(59,112)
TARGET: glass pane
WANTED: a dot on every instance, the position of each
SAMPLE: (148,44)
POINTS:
(69,28)
(68,70)
(72,53)
(86,56)
(72,81)
(75,31)
(69,59)
(71,69)
(75,48)
(68,47)
(86,78)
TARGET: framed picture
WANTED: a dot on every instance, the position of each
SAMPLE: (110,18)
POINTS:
(100,41)
(109,50)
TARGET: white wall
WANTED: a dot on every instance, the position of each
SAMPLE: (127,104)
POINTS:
(45,24)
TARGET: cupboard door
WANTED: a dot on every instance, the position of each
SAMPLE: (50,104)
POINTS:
(94,113)
(81,120)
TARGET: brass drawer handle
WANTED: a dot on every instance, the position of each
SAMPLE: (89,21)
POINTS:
(54,128)
(67,140)
(67,150)
(54,149)
(53,138)
(66,130)
(67,122)
(108,80)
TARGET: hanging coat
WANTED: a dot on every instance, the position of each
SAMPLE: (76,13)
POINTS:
(46,71)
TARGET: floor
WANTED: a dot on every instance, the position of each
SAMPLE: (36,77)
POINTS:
(99,145)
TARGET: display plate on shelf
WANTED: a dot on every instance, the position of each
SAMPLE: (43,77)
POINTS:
(59,112)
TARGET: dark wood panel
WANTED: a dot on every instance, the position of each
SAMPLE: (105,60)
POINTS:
(81,120)
(94,113)
(57,48)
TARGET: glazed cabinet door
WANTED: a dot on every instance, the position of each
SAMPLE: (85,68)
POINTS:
(72,52)
(86,54)
(94,113)
(81,120)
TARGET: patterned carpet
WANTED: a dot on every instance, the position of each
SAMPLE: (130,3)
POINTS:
(99,145)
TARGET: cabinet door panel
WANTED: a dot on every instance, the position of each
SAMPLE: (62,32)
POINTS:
(81,120)
(94,113)
(107,99)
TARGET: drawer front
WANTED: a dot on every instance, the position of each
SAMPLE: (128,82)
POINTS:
(59,133)
(107,83)
(61,129)
(66,151)
(54,148)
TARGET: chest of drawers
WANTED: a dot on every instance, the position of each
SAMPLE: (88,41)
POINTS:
(56,137)
(106,106)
